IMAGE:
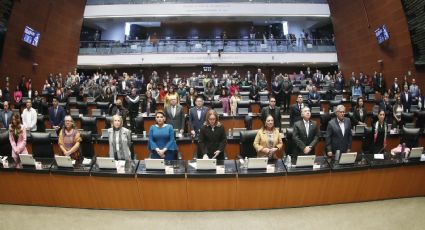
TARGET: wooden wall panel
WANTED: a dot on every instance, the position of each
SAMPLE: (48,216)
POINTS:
(59,22)
(356,44)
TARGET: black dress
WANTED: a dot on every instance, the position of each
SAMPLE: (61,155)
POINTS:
(211,140)
(378,142)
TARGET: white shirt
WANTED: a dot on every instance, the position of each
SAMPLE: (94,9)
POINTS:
(29,119)
(307,126)
(342,126)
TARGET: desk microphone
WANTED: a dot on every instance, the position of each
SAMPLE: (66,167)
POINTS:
(380,150)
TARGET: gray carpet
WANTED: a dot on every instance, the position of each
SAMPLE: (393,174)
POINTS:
(404,214)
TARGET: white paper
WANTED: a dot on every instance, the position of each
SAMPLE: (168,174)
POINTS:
(192,164)
(270,168)
(249,114)
(86,161)
(378,156)
(73,162)
(5,164)
(120,166)
(38,165)
(423,157)
(220,169)
(169,170)
(316,166)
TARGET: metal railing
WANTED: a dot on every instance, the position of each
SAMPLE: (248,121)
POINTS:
(211,45)
(113,2)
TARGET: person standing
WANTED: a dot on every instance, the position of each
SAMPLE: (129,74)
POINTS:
(305,135)
(29,117)
(338,133)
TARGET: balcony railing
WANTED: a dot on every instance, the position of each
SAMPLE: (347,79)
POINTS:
(113,2)
(196,46)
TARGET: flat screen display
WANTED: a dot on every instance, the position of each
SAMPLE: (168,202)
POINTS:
(382,34)
(31,36)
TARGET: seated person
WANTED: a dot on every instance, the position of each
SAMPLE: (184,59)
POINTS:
(161,139)
(69,139)
(268,142)
(119,140)
(314,98)
(17,138)
(212,138)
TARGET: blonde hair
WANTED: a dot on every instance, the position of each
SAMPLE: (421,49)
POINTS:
(209,113)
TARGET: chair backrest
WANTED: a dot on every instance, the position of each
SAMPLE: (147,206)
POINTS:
(89,124)
(5,147)
(244,104)
(104,106)
(420,119)
(82,106)
(248,122)
(289,142)
(407,117)
(410,137)
(246,140)
(42,145)
(139,125)
(108,121)
(367,141)
(40,124)
(324,120)
(86,145)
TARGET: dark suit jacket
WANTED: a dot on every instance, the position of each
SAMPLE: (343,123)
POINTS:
(178,120)
(335,140)
(301,139)
(314,96)
(276,116)
(9,118)
(194,122)
(406,103)
(211,141)
(58,119)
(295,114)
(388,111)
(357,118)
(152,106)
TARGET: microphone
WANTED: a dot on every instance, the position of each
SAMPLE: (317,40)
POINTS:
(380,150)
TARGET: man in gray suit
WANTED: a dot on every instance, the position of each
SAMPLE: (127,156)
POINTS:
(6,115)
(305,135)
(197,116)
(174,115)
(338,133)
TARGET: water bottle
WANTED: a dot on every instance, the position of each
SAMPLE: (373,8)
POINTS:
(337,155)
(230,132)
(245,163)
(288,161)
(403,150)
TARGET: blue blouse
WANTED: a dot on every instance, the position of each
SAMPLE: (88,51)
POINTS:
(162,137)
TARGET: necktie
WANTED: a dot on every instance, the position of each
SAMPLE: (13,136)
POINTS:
(5,118)
(306,128)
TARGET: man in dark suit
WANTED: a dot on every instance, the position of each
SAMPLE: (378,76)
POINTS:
(395,88)
(296,108)
(406,99)
(306,134)
(379,83)
(273,110)
(197,116)
(56,114)
(338,133)
(314,98)
(5,115)
(388,109)
(175,115)
(339,82)
(286,92)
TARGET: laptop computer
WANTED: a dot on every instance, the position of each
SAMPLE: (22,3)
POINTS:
(359,129)
(105,133)
(96,113)
(52,132)
(416,152)
(338,98)
(27,159)
(257,163)
(348,158)
(237,131)
(243,111)
(90,99)
(206,164)
(315,110)
(74,112)
(64,161)
(106,162)
(154,164)
(305,161)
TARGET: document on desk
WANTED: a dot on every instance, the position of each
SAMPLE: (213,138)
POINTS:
(86,161)
(423,157)
(169,169)
(120,166)
(378,156)
(193,165)
(316,166)
(220,169)
(270,168)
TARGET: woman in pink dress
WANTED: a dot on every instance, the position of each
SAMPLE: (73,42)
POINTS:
(225,101)
(17,138)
